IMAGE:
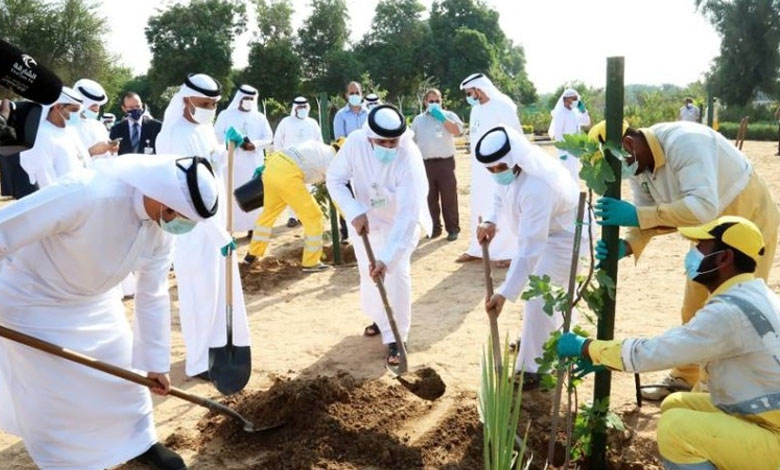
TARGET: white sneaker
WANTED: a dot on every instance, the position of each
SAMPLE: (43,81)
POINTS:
(316,268)
(664,388)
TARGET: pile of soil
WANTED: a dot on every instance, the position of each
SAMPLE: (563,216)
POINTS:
(347,254)
(340,423)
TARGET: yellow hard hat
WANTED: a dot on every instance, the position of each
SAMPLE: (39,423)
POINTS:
(736,232)
(600,130)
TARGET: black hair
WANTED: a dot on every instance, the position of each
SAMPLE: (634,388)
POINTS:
(129,94)
(742,262)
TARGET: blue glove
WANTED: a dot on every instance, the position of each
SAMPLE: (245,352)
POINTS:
(229,248)
(232,135)
(570,345)
(438,114)
(581,106)
(602,251)
(584,367)
(616,212)
(258,172)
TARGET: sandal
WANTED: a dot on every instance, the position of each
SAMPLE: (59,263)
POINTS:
(393,355)
(371,330)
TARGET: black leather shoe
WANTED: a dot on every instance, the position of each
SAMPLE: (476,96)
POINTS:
(159,457)
(204,376)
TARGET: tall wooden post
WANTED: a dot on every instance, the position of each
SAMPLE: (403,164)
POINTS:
(610,235)
(334,217)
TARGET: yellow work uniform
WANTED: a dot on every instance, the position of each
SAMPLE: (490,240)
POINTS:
(737,336)
(698,176)
(283,185)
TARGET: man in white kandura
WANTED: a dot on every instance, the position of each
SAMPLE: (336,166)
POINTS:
(242,114)
(541,199)
(93,133)
(391,189)
(294,129)
(568,117)
(62,251)
(489,108)
(57,149)
(198,262)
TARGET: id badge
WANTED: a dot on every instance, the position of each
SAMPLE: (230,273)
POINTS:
(377,200)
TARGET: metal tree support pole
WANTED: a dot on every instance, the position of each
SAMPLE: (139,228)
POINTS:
(334,217)
(710,107)
(610,234)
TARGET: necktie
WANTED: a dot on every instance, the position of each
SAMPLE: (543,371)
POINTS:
(135,136)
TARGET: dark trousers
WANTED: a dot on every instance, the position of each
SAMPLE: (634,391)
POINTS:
(778,139)
(443,185)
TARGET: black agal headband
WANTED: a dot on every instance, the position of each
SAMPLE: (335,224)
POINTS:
(192,185)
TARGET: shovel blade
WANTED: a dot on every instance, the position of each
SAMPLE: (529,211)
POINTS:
(229,368)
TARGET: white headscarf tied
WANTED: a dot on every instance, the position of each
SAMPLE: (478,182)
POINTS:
(197,85)
(245,91)
(298,101)
(167,179)
(558,109)
(481,81)
(514,149)
(91,91)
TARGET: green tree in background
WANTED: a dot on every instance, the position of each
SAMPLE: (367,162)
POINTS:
(749,58)
(194,38)
(274,67)
(325,31)
(65,36)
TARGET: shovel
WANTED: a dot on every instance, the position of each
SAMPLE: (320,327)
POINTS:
(230,366)
(87,361)
(403,365)
(494,338)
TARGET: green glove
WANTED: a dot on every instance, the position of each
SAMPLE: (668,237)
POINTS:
(570,345)
(438,114)
(602,252)
(581,105)
(232,135)
(229,248)
(258,172)
(584,367)
(613,211)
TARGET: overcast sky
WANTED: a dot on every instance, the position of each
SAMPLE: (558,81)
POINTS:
(663,41)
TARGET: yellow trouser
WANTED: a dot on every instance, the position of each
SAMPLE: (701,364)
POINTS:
(695,435)
(283,185)
(756,204)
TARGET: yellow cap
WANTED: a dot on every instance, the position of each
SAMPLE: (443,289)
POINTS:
(600,130)
(736,232)
(337,144)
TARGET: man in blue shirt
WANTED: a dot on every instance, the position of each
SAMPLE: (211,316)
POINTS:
(353,115)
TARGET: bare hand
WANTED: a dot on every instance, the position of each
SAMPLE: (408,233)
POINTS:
(163,380)
(248,146)
(377,271)
(495,304)
(5,108)
(361,224)
(486,231)
(103,147)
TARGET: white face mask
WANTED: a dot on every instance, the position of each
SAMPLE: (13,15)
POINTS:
(574,104)
(302,113)
(245,105)
(203,115)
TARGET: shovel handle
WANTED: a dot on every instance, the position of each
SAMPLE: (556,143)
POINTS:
(403,366)
(495,339)
(92,363)
(229,257)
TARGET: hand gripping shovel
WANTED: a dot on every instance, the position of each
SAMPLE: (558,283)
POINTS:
(494,338)
(403,365)
(87,361)
(230,366)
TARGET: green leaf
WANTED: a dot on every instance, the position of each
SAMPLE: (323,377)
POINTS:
(575,144)
(606,282)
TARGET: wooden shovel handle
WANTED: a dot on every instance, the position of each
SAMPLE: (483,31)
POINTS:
(495,339)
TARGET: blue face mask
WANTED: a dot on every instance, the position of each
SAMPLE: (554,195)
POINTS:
(90,114)
(177,226)
(505,177)
(302,113)
(135,114)
(693,261)
(432,106)
(384,154)
(629,170)
(355,100)
(72,119)
(471,101)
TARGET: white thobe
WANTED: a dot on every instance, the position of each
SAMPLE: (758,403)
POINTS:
(291,131)
(483,118)
(542,223)
(569,121)
(198,262)
(91,132)
(392,195)
(254,126)
(62,252)
(57,151)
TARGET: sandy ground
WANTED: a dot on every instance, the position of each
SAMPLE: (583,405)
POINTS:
(308,325)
